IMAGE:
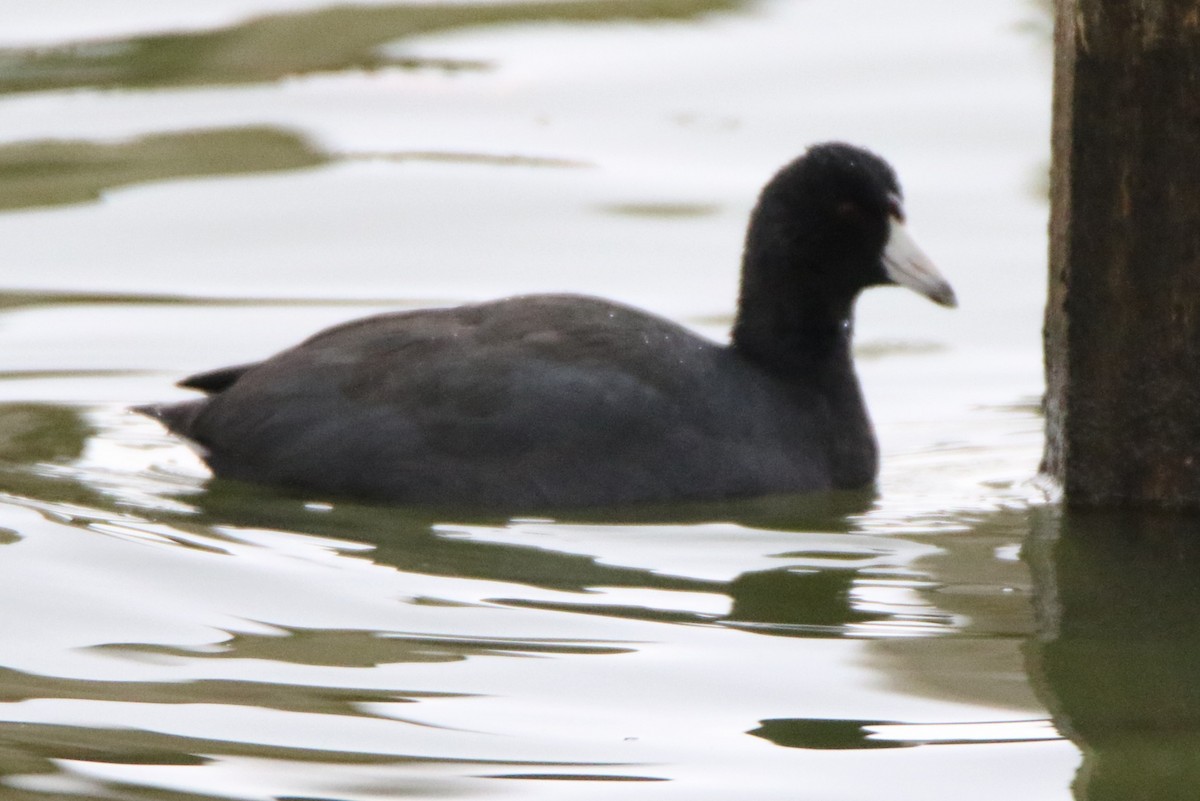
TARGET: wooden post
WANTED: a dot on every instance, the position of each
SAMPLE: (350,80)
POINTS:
(1122,333)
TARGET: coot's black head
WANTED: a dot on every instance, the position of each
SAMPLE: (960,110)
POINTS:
(830,224)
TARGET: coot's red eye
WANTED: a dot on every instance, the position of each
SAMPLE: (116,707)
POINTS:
(848,210)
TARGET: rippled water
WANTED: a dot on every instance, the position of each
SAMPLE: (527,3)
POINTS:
(184,186)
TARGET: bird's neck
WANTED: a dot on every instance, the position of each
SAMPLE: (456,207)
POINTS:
(786,326)
(803,339)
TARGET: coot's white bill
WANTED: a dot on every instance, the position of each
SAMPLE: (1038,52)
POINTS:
(907,265)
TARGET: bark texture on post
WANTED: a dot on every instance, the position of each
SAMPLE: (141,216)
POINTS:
(1123,320)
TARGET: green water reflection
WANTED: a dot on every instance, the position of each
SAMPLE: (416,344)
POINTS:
(360,649)
(1118,652)
(16,686)
(38,749)
(798,602)
(32,433)
(325,40)
(59,172)
(36,437)
(269,48)
(54,172)
(853,735)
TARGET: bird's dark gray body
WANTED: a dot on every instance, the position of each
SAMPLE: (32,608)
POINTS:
(540,400)
(561,400)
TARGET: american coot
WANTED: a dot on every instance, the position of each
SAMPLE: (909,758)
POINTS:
(562,400)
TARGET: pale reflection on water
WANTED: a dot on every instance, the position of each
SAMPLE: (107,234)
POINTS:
(171,202)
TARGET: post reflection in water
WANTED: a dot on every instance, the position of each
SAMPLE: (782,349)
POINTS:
(1117,654)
